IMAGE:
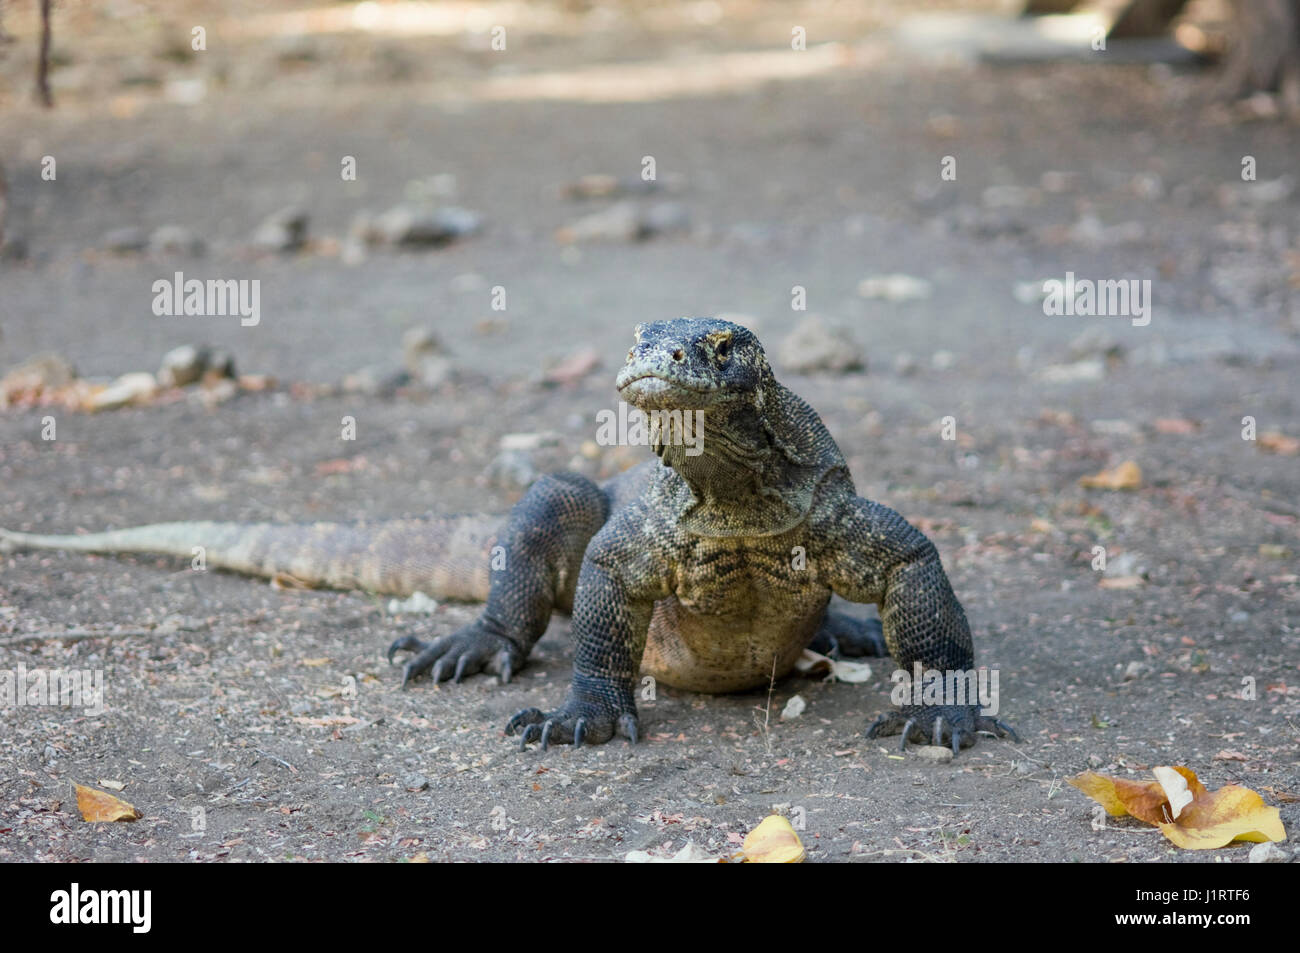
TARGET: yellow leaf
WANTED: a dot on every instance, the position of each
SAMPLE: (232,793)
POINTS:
(101,806)
(1120,796)
(1228,814)
(1200,818)
(773,842)
(1126,476)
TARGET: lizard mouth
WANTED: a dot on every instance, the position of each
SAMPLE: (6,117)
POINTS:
(650,391)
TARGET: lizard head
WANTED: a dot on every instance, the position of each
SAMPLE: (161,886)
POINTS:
(692,364)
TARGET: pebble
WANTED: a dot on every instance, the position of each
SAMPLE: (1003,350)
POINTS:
(125,241)
(793,708)
(814,346)
(131,388)
(412,226)
(282,231)
(936,753)
(175,240)
(896,287)
(1268,853)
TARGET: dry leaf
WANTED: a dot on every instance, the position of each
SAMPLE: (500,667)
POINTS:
(1228,814)
(773,842)
(1273,441)
(691,853)
(101,806)
(1176,790)
(841,670)
(112,785)
(1126,476)
(1121,582)
(1198,819)
(1176,425)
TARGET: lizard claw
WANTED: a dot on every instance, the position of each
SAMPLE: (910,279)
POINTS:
(953,725)
(467,652)
(580,721)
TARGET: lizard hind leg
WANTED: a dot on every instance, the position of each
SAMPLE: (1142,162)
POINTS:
(534,569)
(844,636)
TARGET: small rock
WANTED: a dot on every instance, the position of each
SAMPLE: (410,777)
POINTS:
(374,381)
(664,218)
(1135,670)
(942,360)
(217,391)
(620,222)
(1092,370)
(512,470)
(815,346)
(282,231)
(415,782)
(1090,231)
(132,388)
(40,374)
(425,358)
(1268,853)
(1009,196)
(175,240)
(904,364)
(1096,342)
(412,226)
(895,287)
(125,241)
(601,186)
(416,604)
(573,367)
(937,753)
(530,441)
(187,364)
(793,708)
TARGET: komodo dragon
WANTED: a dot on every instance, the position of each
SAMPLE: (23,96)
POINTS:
(710,571)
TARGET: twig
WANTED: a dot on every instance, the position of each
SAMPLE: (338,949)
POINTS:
(283,764)
(43,60)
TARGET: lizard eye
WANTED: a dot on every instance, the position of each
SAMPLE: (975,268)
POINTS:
(723,350)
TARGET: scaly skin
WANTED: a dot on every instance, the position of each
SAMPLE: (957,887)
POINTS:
(710,569)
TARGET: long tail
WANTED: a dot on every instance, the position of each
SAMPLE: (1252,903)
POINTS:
(444,556)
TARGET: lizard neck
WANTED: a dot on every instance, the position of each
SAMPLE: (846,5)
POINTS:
(737,478)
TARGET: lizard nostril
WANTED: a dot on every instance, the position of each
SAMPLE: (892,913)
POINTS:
(679,355)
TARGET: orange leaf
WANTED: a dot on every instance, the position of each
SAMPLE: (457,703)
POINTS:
(1274,442)
(1205,819)
(1228,814)
(1126,476)
(773,842)
(101,806)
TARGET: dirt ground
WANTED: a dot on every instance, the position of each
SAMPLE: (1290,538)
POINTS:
(230,696)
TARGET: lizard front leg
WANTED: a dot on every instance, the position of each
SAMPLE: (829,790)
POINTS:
(533,574)
(874,555)
(617,589)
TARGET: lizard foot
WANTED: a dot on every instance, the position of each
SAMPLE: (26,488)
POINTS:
(843,636)
(466,652)
(587,717)
(953,725)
